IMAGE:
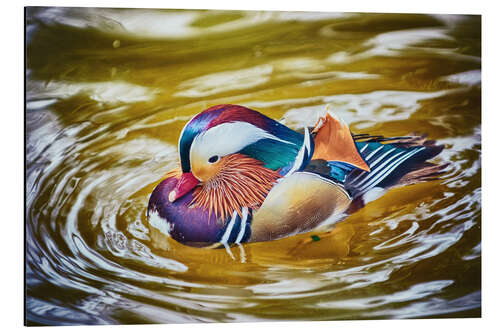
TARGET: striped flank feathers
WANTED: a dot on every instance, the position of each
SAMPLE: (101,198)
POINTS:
(393,161)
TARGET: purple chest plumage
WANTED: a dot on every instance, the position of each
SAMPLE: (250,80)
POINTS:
(184,224)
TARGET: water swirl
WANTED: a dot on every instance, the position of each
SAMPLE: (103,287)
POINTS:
(103,119)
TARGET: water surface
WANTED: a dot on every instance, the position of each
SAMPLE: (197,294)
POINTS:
(108,92)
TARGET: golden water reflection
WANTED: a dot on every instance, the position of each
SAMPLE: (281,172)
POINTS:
(108,92)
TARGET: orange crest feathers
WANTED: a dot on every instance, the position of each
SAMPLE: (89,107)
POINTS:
(241,182)
(334,142)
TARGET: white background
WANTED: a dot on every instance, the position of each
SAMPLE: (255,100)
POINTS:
(12,163)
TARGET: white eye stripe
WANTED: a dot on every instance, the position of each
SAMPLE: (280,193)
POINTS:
(228,138)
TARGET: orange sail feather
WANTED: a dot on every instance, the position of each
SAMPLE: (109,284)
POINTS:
(334,142)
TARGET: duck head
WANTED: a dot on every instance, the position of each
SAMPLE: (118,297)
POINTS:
(231,156)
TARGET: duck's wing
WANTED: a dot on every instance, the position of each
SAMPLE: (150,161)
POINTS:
(333,142)
(393,161)
(297,203)
(363,162)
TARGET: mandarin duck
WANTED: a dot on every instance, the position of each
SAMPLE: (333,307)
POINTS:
(244,177)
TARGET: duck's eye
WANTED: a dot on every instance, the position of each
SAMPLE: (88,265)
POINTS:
(213,159)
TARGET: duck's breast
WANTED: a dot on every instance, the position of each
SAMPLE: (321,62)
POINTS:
(181,220)
(298,203)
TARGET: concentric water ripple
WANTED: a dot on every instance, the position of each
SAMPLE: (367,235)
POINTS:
(103,119)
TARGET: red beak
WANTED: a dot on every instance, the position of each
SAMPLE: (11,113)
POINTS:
(185,184)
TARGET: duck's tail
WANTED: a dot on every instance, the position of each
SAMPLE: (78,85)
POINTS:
(365,164)
(393,161)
